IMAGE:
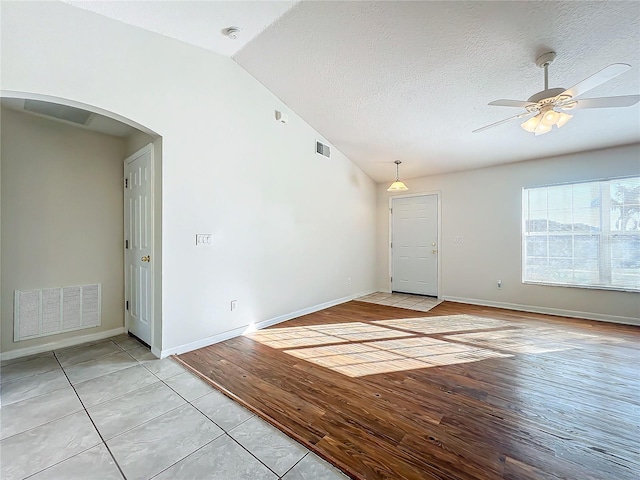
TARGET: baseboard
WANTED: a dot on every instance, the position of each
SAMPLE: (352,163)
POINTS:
(306,311)
(236,332)
(549,311)
(156,351)
(68,342)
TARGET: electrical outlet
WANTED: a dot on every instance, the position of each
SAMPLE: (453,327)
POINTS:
(234,304)
(499,284)
(348,280)
(458,240)
(204,239)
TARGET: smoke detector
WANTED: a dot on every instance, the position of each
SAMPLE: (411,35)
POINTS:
(231,32)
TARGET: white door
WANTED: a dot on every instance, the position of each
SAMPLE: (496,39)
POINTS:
(414,245)
(138,235)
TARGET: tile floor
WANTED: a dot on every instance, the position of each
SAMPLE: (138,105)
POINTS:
(111,410)
(420,303)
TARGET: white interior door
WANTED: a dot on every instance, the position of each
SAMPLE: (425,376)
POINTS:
(138,232)
(414,245)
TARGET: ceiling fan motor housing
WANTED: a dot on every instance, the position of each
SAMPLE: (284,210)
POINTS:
(549,94)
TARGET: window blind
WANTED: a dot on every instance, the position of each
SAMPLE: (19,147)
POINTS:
(583,234)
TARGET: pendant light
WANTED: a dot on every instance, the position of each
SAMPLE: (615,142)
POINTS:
(397,186)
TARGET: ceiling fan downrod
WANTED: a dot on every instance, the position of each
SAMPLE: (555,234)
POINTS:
(544,61)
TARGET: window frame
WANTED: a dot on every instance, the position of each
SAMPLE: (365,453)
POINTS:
(599,234)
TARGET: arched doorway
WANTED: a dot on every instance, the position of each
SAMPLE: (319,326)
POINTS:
(139,136)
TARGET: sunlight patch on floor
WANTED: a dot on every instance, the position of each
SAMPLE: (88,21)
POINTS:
(376,368)
(443,324)
(528,341)
(290,337)
(358,349)
(370,358)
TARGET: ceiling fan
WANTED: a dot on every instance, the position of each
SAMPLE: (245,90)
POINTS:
(547,108)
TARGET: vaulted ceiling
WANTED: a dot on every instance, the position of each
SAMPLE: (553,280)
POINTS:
(410,80)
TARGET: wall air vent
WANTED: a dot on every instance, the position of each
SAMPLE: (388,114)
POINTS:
(61,112)
(48,311)
(323,149)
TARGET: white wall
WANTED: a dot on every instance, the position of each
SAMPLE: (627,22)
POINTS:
(62,218)
(484,207)
(289,227)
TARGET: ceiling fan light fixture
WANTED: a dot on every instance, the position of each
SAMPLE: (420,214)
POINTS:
(550,117)
(531,124)
(563,119)
(544,121)
(549,105)
(397,186)
(541,129)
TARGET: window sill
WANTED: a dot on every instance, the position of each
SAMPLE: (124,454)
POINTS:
(588,287)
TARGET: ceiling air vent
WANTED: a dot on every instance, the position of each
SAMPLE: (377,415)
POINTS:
(61,112)
(323,149)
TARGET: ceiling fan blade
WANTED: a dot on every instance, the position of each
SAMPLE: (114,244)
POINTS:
(511,103)
(522,115)
(604,102)
(604,75)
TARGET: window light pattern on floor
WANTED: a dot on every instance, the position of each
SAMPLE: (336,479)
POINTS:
(370,358)
(545,340)
(290,337)
(443,324)
(358,349)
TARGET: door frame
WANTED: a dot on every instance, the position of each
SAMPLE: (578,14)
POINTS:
(439,227)
(130,159)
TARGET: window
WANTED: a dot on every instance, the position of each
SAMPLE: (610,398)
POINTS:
(583,234)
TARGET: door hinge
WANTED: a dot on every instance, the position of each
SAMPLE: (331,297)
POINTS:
(391,210)
(127,304)
(126,183)
(391,244)
(391,279)
(126,244)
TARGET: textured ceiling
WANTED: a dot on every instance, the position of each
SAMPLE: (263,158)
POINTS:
(410,80)
(196,22)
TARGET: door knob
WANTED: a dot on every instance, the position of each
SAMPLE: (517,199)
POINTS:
(146,258)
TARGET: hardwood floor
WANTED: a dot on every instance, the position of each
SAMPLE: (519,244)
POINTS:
(465,392)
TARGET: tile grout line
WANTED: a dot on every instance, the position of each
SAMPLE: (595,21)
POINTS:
(104,442)
(146,386)
(228,434)
(83,407)
(91,419)
(220,426)
(187,456)
(224,432)
(251,453)
(293,466)
(164,381)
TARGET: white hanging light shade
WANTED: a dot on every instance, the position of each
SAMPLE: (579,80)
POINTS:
(531,124)
(564,118)
(397,186)
(543,121)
